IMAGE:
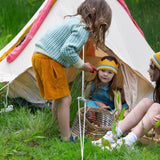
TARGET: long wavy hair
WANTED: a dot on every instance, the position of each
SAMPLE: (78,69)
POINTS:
(112,83)
(156,92)
(96,14)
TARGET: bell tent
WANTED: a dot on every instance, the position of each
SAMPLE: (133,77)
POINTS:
(124,40)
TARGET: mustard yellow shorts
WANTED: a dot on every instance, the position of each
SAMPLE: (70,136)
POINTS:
(50,76)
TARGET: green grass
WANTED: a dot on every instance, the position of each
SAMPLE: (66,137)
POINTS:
(14,15)
(29,133)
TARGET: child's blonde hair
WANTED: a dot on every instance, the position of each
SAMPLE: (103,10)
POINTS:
(97,15)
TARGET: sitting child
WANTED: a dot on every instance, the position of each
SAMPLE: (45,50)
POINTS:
(100,90)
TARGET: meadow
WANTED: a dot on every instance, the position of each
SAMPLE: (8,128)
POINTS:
(28,132)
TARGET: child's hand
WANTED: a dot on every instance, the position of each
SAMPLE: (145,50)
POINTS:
(88,67)
(94,69)
(102,105)
(155,119)
(105,107)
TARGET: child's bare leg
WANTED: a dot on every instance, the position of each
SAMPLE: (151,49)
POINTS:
(126,112)
(54,110)
(135,116)
(147,120)
(63,107)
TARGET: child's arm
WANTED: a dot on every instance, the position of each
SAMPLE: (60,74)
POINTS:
(102,105)
(73,45)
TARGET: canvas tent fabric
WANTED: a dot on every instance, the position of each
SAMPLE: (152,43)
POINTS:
(123,41)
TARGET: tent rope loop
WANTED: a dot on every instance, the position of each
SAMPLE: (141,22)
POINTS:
(84,100)
(7,91)
(82,134)
(6,107)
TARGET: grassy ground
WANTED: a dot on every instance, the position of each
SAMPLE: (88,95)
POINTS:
(29,133)
(26,135)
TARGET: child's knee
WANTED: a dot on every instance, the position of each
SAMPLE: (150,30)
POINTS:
(155,108)
(147,101)
(146,104)
(67,99)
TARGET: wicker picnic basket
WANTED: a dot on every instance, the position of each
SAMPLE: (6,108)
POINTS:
(97,122)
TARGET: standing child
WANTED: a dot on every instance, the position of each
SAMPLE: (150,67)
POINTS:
(60,46)
(102,87)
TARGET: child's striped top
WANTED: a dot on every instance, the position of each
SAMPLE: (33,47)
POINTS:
(64,42)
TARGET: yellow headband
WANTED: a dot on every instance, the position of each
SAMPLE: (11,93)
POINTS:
(108,65)
(156,60)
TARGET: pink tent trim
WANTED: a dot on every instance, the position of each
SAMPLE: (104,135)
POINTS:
(16,51)
(127,10)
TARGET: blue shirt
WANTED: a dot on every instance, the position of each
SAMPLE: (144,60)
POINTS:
(64,41)
(101,95)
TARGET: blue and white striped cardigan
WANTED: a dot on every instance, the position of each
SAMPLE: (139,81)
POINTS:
(64,41)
